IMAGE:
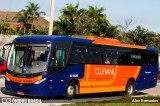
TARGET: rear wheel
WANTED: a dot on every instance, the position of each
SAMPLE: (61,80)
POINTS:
(70,90)
(129,88)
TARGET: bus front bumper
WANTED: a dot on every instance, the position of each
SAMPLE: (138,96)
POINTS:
(12,88)
(3,90)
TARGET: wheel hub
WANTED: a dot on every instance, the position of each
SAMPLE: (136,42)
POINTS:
(130,89)
(70,90)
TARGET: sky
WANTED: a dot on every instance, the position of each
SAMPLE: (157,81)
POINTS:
(143,12)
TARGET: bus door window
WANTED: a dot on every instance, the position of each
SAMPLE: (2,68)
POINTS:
(58,58)
(60,54)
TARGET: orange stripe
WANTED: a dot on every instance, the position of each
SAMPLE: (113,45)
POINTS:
(103,42)
(24,80)
(102,89)
(137,72)
(88,71)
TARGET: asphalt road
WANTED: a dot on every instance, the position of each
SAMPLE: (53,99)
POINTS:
(85,98)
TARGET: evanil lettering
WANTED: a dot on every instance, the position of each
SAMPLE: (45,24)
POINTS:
(104,71)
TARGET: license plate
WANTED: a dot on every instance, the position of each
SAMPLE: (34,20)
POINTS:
(20,93)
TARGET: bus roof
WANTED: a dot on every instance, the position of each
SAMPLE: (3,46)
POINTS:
(89,39)
(52,39)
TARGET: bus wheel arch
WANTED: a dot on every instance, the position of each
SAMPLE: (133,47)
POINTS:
(72,89)
(130,87)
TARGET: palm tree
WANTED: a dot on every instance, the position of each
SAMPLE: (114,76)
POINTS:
(63,27)
(70,12)
(33,12)
(22,16)
(84,22)
(77,17)
(96,13)
(98,21)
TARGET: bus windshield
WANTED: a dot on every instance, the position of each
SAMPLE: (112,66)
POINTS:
(28,58)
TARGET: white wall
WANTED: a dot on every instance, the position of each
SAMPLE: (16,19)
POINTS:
(4,39)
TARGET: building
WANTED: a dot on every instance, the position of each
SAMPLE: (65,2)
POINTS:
(8,16)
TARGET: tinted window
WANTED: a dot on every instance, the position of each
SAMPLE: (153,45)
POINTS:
(138,57)
(152,57)
(124,55)
(110,55)
(78,54)
(85,53)
(97,54)
(94,55)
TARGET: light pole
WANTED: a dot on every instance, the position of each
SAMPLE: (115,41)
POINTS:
(51,17)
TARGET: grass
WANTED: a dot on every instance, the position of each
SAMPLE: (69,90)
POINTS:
(126,101)
(113,104)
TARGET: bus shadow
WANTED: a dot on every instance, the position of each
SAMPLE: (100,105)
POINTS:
(77,97)
(80,96)
(99,95)
(139,93)
(94,95)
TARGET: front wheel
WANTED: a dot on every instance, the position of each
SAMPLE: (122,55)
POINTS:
(70,90)
(129,88)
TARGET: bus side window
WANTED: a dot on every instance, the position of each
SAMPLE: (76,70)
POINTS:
(124,56)
(110,55)
(78,55)
(94,55)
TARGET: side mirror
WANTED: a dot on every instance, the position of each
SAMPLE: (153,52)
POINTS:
(6,47)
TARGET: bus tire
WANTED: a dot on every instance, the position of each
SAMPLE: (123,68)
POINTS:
(70,90)
(129,88)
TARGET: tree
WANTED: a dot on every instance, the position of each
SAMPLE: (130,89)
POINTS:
(123,27)
(22,16)
(33,12)
(63,27)
(141,36)
(3,26)
(73,17)
(74,21)
(127,23)
(98,22)
(29,15)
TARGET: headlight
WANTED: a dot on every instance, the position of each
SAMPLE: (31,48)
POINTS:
(40,81)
